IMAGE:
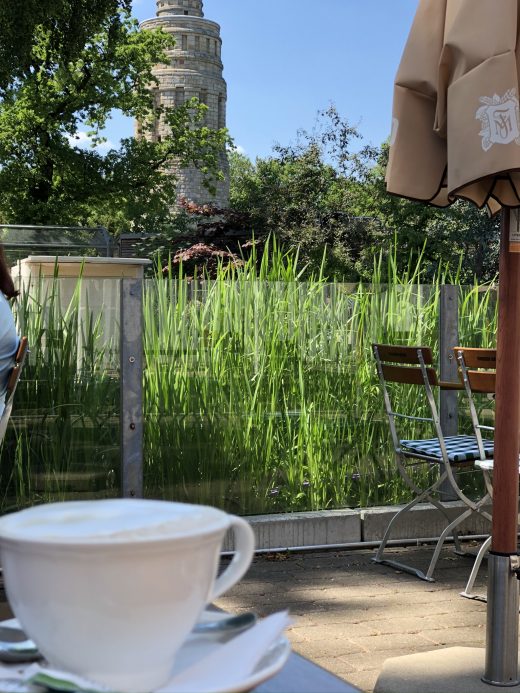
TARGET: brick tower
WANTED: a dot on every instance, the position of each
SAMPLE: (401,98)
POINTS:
(195,69)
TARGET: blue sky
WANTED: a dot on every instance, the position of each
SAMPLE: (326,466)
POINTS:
(286,59)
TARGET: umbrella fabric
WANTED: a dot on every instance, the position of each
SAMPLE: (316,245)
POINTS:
(456,116)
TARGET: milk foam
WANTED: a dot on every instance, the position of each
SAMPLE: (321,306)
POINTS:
(111,520)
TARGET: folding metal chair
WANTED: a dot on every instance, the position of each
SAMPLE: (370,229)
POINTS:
(446,456)
(477,368)
(12,384)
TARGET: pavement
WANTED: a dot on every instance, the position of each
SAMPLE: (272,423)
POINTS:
(350,614)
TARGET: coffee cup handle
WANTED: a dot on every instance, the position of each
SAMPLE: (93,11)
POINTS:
(244,551)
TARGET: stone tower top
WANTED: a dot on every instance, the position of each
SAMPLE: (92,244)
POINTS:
(194,70)
(191,8)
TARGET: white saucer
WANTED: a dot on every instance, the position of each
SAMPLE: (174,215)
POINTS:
(198,646)
(195,647)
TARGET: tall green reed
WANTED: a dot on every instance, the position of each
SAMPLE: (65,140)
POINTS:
(63,434)
(260,389)
(261,392)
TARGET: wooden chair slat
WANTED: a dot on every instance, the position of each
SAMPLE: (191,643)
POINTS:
(482,381)
(23,349)
(408,375)
(404,354)
(478,358)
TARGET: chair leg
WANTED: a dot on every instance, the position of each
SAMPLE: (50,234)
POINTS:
(450,529)
(468,592)
(378,558)
(420,497)
(458,549)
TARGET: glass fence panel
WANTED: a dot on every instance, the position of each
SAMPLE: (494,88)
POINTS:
(263,397)
(259,397)
(478,315)
(62,440)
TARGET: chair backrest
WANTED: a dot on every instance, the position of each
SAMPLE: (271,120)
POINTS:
(12,383)
(413,373)
(409,365)
(477,369)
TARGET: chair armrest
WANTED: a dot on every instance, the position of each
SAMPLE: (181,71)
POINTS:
(450,385)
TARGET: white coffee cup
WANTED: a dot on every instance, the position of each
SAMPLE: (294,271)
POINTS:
(110,589)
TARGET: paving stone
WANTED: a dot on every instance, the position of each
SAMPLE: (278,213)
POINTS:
(297,635)
(344,629)
(329,648)
(334,663)
(416,624)
(398,642)
(366,662)
(351,614)
(364,680)
(448,595)
(467,637)
(307,620)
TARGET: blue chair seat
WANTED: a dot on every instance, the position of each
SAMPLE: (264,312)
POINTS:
(459,448)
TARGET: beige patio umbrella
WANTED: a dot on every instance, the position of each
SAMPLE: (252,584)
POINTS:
(456,135)
(456,126)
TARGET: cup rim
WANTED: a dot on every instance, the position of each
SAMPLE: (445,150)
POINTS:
(95,545)
(10,532)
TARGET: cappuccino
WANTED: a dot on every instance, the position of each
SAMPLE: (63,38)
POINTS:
(110,521)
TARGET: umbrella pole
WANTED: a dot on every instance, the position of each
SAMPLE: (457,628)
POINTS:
(501,668)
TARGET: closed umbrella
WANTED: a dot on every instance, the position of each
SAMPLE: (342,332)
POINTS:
(456,135)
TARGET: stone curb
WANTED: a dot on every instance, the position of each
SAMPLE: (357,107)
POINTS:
(332,527)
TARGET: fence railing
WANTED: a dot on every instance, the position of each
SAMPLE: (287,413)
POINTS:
(21,240)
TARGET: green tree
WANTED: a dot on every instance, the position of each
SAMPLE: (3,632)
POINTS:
(303,195)
(72,69)
(327,195)
(72,22)
(460,236)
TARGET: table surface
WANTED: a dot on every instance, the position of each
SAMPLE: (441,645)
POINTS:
(300,675)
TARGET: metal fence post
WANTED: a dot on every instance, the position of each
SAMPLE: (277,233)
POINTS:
(131,409)
(448,338)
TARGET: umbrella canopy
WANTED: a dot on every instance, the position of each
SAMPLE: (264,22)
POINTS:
(456,135)
(456,118)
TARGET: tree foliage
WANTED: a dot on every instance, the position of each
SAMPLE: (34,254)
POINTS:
(65,66)
(71,22)
(461,236)
(326,194)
